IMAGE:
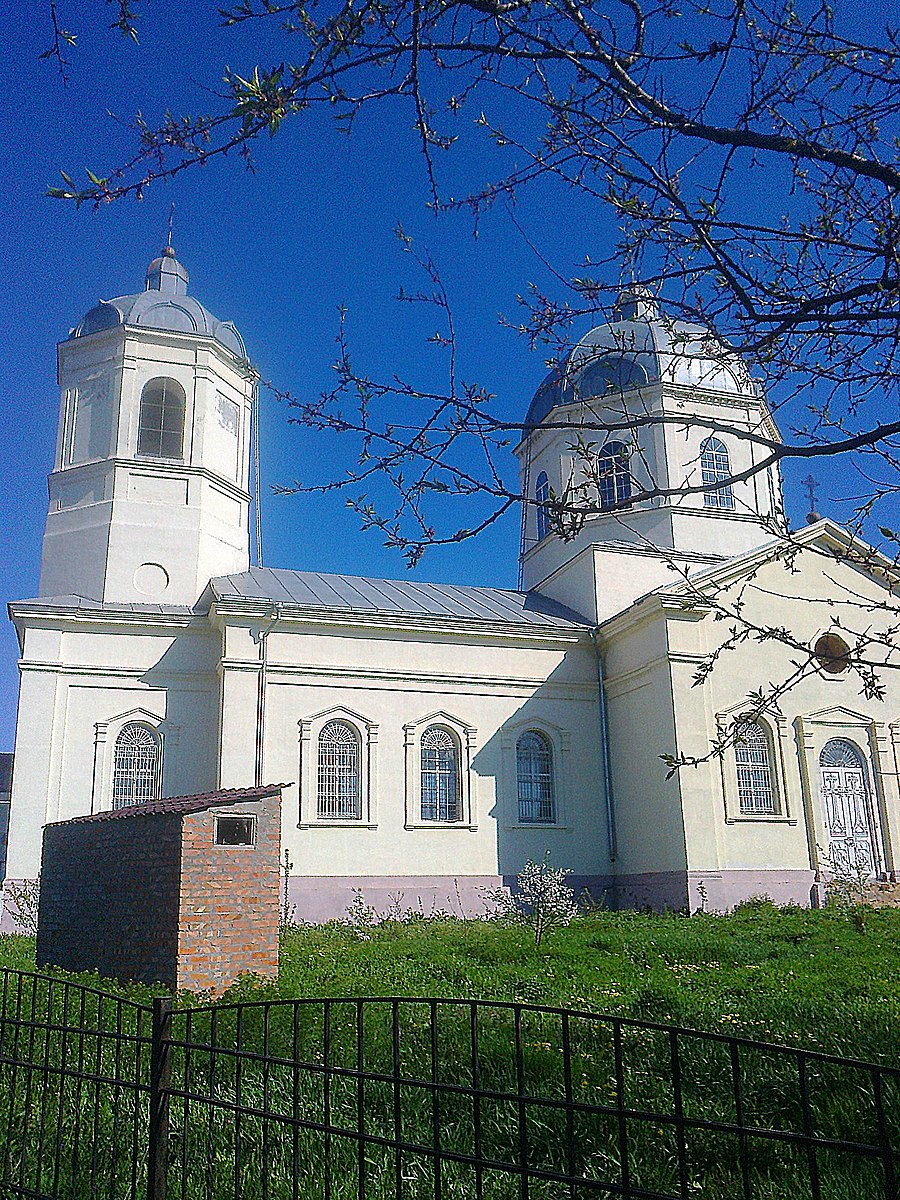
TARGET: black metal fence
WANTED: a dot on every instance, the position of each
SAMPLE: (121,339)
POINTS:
(357,1099)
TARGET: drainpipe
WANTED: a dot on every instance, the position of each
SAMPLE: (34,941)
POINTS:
(262,639)
(604,754)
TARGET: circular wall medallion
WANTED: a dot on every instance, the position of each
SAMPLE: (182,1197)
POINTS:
(832,654)
(150,579)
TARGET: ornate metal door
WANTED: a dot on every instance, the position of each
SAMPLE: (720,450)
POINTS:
(848,810)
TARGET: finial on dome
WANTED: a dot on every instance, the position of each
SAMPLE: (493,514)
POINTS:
(636,302)
(166,274)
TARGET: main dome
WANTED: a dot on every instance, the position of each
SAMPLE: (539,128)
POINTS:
(164,304)
(640,347)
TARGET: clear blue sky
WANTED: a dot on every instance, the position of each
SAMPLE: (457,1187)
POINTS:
(276,252)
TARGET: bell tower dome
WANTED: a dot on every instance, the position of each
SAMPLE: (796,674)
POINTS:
(633,430)
(149,495)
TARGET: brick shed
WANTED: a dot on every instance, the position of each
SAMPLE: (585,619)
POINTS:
(181,891)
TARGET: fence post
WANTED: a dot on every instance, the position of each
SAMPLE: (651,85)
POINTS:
(160,1070)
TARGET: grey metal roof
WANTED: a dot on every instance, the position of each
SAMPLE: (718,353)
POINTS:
(394,597)
(86,606)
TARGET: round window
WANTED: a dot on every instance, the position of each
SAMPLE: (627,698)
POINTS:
(832,653)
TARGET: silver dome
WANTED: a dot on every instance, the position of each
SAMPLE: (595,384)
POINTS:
(640,347)
(164,304)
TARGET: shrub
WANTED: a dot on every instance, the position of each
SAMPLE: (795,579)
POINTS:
(541,901)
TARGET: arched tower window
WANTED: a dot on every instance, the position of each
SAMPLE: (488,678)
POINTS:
(534,775)
(614,476)
(338,782)
(136,770)
(755,777)
(440,799)
(161,424)
(542,498)
(714,468)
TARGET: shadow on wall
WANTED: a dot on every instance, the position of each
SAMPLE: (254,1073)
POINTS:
(186,672)
(547,765)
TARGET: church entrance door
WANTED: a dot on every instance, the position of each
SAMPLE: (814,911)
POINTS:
(853,846)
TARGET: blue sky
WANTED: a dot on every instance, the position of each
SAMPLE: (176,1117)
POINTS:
(277,252)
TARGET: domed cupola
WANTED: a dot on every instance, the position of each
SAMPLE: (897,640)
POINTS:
(674,486)
(641,347)
(164,304)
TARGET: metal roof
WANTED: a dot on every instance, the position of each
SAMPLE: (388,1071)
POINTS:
(394,597)
(180,805)
(87,606)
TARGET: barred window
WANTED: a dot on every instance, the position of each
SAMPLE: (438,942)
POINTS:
(534,773)
(753,759)
(161,424)
(338,791)
(614,476)
(440,799)
(136,769)
(542,497)
(715,467)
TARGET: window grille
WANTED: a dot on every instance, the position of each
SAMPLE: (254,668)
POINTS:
(338,791)
(753,759)
(161,426)
(613,476)
(841,753)
(542,497)
(440,776)
(714,467)
(534,773)
(136,769)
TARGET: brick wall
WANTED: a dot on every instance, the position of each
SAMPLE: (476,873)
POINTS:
(109,898)
(150,896)
(229,899)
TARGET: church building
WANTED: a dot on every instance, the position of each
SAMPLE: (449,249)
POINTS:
(435,738)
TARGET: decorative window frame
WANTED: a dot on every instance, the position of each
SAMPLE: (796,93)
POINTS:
(561,743)
(466,737)
(775,727)
(873,738)
(367,733)
(106,734)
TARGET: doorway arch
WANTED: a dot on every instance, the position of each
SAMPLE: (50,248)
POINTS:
(853,843)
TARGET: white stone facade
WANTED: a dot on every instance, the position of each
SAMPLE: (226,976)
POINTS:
(434,739)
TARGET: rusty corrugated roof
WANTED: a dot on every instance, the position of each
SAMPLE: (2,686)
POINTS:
(180,805)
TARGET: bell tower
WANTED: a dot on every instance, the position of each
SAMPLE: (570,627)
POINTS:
(647,436)
(149,494)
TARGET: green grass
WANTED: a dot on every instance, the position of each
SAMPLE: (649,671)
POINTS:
(807,978)
(819,980)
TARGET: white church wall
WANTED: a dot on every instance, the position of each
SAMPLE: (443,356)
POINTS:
(779,854)
(652,862)
(391,685)
(79,687)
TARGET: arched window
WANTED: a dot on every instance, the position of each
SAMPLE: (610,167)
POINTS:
(338,788)
(534,773)
(439,775)
(612,373)
(715,467)
(542,498)
(755,778)
(161,426)
(613,476)
(136,768)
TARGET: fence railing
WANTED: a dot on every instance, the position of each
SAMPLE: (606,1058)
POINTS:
(422,1098)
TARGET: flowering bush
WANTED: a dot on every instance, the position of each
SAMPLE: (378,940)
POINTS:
(541,900)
